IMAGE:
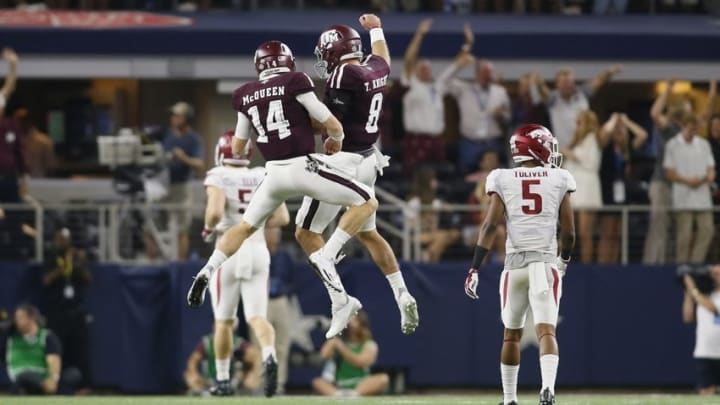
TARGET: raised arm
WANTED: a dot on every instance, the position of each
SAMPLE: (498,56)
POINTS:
(607,129)
(708,110)
(603,77)
(413,49)
(379,46)
(539,90)
(11,79)
(657,111)
(640,135)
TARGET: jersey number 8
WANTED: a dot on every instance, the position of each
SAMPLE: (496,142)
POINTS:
(374,114)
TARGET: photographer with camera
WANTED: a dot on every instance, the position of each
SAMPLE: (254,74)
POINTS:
(703,307)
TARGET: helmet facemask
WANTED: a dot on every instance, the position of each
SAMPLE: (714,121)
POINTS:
(556,158)
(321,66)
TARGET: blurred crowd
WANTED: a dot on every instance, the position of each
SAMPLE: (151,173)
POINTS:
(566,7)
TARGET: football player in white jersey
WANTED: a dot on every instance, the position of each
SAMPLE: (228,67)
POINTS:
(531,197)
(229,187)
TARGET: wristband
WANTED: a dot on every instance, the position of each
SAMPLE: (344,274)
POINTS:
(376,34)
(338,138)
(565,256)
(478,257)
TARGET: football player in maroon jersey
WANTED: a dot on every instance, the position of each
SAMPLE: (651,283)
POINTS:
(354,94)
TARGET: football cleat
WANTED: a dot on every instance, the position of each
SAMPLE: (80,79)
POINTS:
(222,389)
(196,295)
(271,376)
(409,318)
(342,316)
(547,397)
(325,269)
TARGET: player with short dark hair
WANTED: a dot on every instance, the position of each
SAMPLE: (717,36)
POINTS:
(354,94)
(280,106)
(531,198)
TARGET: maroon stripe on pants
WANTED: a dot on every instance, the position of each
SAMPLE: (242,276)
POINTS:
(505,288)
(218,284)
(345,182)
(556,282)
(312,210)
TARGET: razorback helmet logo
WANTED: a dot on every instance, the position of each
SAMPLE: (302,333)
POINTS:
(535,142)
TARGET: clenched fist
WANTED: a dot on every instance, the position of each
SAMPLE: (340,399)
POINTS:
(370,21)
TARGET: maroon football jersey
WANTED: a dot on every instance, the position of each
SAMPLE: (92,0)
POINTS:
(282,124)
(354,94)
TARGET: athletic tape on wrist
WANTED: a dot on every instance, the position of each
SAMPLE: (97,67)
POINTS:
(376,34)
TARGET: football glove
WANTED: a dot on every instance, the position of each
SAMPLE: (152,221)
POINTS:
(471,282)
(208,235)
(562,265)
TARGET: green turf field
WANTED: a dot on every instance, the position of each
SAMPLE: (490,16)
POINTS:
(645,399)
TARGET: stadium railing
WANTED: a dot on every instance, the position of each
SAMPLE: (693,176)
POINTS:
(115,231)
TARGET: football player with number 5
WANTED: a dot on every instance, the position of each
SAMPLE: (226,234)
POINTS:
(354,94)
(531,197)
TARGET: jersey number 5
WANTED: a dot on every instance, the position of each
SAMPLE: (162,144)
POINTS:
(534,198)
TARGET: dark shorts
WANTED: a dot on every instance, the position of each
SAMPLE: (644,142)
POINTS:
(708,372)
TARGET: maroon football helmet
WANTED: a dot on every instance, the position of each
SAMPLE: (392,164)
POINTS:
(336,44)
(535,142)
(274,57)
(224,154)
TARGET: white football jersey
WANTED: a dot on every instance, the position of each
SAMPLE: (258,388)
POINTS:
(532,197)
(238,184)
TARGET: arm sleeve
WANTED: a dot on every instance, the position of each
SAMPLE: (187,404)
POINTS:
(242,128)
(339,102)
(212,178)
(570,184)
(491,183)
(317,110)
(52,344)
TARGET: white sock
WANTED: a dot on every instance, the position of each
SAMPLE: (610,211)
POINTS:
(215,261)
(222,369)
(268,351)
(337,240)
(509,376)
(548,370)
(397,283)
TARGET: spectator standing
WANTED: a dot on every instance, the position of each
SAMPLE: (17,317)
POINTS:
(703,309)
(38,148)
(281,283)
(526,105)
(622,137)
(582,160)
(423,105)
(484,113)
(349,360)
(567,99)
(34,355)
(667,125)
(184,147)
(64,282)
(690,167)
(12,163)
(200,373)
